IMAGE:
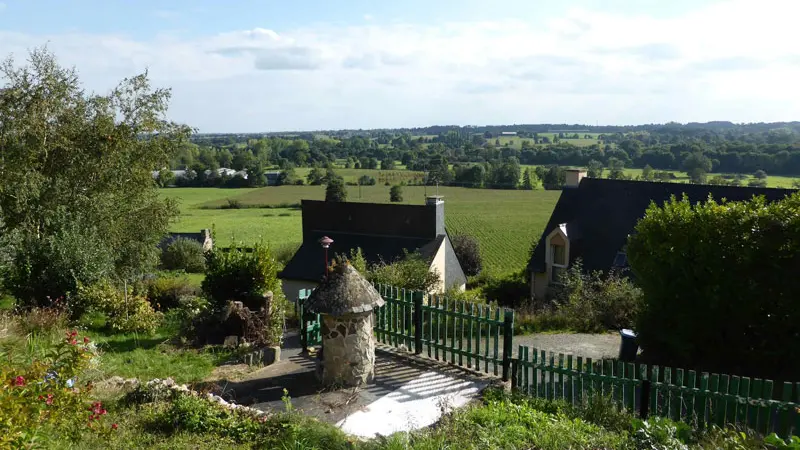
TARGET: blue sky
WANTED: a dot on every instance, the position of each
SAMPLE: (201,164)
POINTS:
(248,66)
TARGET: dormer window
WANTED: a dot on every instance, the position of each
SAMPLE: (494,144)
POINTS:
(558,263)
(557,253)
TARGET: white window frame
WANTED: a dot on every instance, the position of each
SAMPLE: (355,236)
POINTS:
(561,231)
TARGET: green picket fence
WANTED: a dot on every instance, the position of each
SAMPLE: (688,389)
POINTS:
(393,323)
(701,399)
(469,335)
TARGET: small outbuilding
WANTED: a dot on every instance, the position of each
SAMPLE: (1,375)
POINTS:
(345,301)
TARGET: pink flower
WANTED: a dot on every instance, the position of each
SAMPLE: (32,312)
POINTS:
(49,400)
(73,342)
(19,381)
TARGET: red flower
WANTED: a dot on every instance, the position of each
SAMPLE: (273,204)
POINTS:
(114,426)
(86,339)
(73,342)
(73,333)
(49,400)
(19,381)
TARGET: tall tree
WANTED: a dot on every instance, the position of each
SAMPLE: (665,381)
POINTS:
(595,169)
(335,191)
(527,184)
(77,198)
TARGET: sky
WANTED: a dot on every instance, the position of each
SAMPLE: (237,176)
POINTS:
(263,66)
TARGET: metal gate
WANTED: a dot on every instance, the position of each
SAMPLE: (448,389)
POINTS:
(309,323)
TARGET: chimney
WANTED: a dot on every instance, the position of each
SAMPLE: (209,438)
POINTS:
(574,177)
(437,201)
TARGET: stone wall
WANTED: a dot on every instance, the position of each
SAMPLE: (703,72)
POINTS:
(348,350)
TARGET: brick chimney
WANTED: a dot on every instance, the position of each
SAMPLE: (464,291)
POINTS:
(437,201)
(574,177)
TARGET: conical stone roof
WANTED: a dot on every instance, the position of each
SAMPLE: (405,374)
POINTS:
(344,291)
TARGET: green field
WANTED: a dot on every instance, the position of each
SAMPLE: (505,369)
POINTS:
(773,181)
(516,141)
(381,176)
(504,222)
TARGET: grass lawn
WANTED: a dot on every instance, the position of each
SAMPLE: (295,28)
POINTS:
(504,222)
(152,356)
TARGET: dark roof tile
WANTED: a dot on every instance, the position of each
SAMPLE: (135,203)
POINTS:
(604,212)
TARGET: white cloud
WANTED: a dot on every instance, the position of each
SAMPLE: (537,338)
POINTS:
(585,66)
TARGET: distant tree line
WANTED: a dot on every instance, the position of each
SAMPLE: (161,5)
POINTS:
(473,156)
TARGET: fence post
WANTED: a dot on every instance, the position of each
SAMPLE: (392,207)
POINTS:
(301,316)
(508,336)
(514,373)
(644,400)
(418,322)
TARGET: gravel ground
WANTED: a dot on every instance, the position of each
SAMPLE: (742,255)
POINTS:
(593,346)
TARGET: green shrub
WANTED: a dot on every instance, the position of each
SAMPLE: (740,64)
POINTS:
(720,285)
(285,252)
(165,292)
(412,271)
(355,259)
(54,265)
(597,302)
(240,275)
(124,313)
(335,190)
(198,415)
(38,402)
(396,193)
(468,252)
(184,254)
(541,320)
(469,295)
(659,433)
(506,423)
(511,290)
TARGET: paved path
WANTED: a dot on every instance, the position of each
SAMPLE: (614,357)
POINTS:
(409,392)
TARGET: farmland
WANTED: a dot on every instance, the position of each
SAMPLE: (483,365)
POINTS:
(516,141)
(381,176)
(504,222)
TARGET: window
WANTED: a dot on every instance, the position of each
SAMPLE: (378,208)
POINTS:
(558,261)
(559,257)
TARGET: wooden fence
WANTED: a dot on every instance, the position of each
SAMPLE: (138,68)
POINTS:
(310,325)
(700,399)
(480,337)
(474,336)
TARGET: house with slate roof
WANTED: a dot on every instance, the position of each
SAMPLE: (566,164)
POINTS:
(383,232)
(594,217)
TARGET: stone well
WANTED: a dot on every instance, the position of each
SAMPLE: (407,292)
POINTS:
(345,301)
